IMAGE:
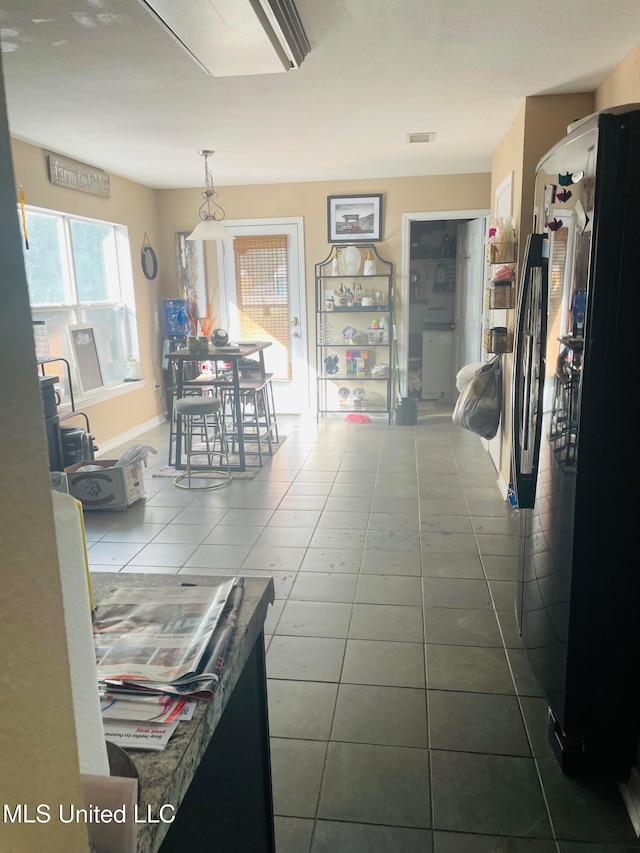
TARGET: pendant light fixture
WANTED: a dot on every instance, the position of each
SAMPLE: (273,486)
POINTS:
(211,214)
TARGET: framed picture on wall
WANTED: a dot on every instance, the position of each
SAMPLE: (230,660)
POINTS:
(353,219)
(84,351)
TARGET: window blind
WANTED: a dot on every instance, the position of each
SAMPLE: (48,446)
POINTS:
(262,295)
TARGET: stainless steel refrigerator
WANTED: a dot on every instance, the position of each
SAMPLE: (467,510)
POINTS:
(576,380)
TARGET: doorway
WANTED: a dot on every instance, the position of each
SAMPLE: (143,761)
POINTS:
(262,297)
(443,279)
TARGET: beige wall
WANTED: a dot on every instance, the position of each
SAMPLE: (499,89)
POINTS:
(622,86)
(179,209)
(136,207)
(37,735)
(508,158)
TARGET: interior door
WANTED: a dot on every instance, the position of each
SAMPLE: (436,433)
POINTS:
(262,295)
(470,271)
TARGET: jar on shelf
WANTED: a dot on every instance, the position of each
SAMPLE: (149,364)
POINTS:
(498,340)
(502,251)
(501,248)
(499,296)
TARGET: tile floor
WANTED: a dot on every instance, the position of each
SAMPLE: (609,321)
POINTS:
(403,714)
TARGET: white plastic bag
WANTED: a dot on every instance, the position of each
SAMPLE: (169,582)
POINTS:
(137,453)
(479,405)
(466,374)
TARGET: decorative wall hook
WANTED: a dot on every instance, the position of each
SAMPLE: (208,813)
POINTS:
(564,195)
(570,178)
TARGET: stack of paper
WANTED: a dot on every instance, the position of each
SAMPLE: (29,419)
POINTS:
(156,650)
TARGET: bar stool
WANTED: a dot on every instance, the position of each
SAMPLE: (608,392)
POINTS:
(191,408)
(258,424)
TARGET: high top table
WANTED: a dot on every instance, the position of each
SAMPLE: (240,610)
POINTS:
(232,355)
(216,769)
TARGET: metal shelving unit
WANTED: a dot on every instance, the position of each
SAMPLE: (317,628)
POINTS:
(354,331)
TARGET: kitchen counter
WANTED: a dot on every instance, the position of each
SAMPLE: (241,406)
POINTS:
(216,767)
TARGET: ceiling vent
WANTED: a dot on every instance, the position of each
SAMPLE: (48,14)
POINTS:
(420,137)
(233,38)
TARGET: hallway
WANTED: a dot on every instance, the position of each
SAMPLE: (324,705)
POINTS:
(403,713)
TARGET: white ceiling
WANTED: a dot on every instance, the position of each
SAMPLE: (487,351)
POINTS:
(102,82)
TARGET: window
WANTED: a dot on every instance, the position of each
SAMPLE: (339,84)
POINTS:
(79,271)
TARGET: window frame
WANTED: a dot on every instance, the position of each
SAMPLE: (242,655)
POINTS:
(121,301)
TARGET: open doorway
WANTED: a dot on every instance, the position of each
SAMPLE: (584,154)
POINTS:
(441,293)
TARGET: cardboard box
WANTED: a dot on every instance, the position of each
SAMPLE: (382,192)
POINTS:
(110,488)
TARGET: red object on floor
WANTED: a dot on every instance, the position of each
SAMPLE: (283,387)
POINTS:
(358,419)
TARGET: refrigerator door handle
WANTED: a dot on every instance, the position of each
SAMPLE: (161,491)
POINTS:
(528,370)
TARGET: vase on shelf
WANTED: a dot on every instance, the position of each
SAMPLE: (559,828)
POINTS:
(351,260)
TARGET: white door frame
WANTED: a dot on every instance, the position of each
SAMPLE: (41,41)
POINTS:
(402,281)
(296,222)
(477,297)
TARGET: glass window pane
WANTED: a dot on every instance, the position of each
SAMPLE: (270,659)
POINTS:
(77,275)
(43,260)
(57,322)
(111,339)
(93,257)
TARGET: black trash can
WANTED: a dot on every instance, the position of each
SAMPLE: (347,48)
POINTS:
(407,412)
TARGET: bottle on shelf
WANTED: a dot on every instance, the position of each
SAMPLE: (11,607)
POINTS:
(369,264)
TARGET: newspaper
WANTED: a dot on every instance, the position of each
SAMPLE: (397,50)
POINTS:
(146,709)
(163,640)
(139,736)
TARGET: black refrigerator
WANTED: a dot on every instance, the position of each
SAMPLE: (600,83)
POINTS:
(576,380)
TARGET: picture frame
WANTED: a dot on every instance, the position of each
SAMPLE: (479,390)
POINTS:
(86,359)
(354,219)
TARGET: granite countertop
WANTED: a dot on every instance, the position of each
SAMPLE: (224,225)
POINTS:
(165,776)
